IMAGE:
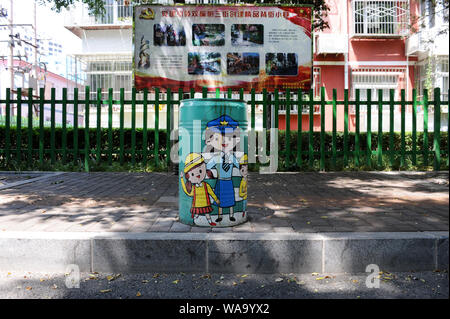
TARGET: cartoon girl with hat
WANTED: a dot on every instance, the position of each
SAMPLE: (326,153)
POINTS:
(195,173)
(222,136)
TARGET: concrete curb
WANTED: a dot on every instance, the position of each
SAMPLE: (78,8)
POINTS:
(223,252)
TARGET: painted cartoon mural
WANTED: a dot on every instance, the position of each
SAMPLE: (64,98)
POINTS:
(195,187)
(217,178)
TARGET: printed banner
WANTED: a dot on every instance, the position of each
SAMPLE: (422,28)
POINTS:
(222,47)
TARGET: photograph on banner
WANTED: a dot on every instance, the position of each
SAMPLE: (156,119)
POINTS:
(208,34)
(169,35)
(207,63)
(193,47)
(247,34)
(245,63)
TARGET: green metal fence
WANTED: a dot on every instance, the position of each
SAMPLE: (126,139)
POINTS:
(37,140)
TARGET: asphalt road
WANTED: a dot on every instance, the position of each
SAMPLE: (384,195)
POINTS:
(429,285)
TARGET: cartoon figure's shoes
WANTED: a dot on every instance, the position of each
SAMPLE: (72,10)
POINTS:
(232,219)
(243,214)
(212,224)
(219,219)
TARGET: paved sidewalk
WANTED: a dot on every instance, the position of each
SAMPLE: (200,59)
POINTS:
(283,202)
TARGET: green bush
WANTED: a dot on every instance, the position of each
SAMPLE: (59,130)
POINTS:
(101,164)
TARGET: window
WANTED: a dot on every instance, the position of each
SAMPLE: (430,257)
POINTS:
(375,79)
(380,17)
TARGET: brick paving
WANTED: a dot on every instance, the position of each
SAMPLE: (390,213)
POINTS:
(283,202)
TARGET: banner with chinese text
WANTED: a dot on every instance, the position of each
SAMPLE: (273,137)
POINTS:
(222,47)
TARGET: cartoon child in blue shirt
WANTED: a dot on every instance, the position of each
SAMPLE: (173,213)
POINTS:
(222,136)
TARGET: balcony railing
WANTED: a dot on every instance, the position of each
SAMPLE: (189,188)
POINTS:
(116,13)
(380,18)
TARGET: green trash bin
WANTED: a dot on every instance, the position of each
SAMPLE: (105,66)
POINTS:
(213,169)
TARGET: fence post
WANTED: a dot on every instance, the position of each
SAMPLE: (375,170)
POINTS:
(288,127)
(357,135)
(391,127)
(322,128)
(19,126)
(75,125)
(437,129)
(346,128)
(52,126)
(30,127)
(414,127)
(311,129)
(87,98)
(156,150)
(110,120)
(369,128)
(380,128)
(168,125)
(8,126)
(299,126)
(41,125)
(252,109)
(121,132)
(64,125)
(333,142)
(99,126)
(133,126)
(264,119)
(425,127)
(144,127)
(403,142)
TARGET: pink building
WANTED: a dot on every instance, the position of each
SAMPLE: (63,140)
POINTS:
(45,79)
(369,46)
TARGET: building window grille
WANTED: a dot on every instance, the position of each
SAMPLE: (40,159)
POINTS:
(380,17)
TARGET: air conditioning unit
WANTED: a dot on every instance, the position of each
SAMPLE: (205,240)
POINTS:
(332,43)
(415,44)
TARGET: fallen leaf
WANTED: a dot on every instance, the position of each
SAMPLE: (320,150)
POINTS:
(222,277)
(144,281)
(234,283)
(279,279)
(176,281)
(355,281)
(42,280)
(155,275)
(138,294)
(324,217)
(28,288)
(9,274)
(244,276)
(113,277)
(105,290)
(324,277)
(315,274)
(54,286)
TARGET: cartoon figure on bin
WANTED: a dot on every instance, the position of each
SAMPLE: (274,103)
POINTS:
(222,137)
(195,172)
(243,168)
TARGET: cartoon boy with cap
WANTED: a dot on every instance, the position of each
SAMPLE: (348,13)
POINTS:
(222,136)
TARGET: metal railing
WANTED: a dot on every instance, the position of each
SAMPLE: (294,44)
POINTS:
(25,140)
(380,18)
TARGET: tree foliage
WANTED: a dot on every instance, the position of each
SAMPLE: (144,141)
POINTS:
(96,7)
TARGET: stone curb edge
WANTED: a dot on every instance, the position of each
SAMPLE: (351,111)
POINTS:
(223,252)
